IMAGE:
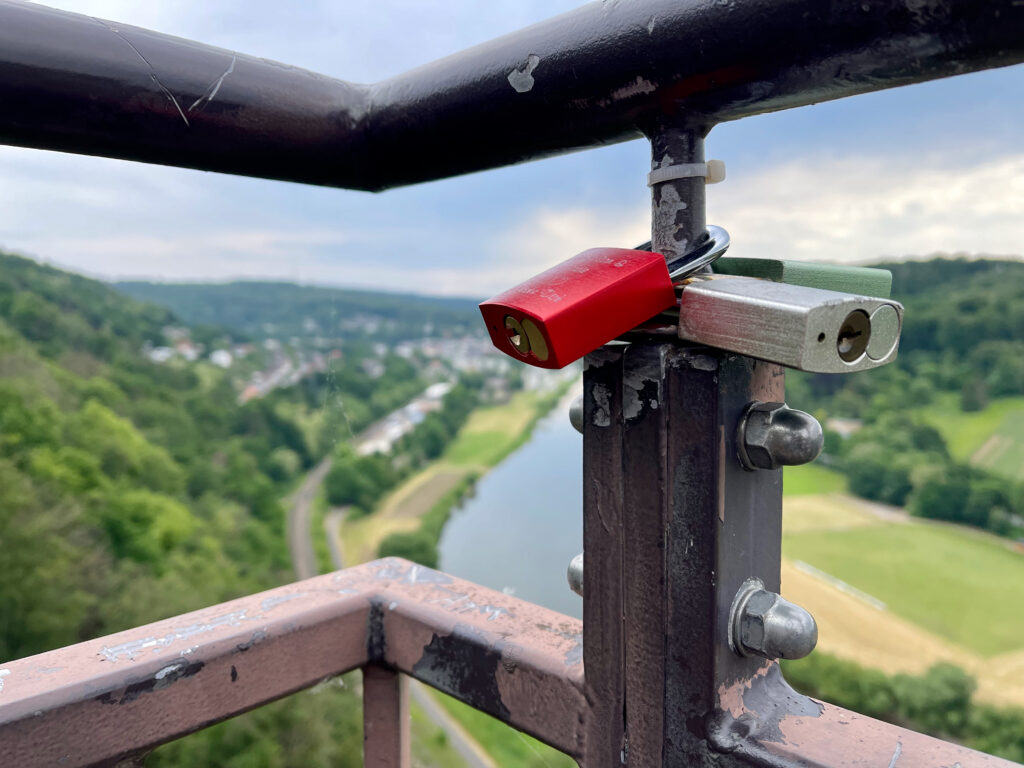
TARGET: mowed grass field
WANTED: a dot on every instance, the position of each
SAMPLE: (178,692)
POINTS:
(966,588)
(992,438)
(492,433)
(950,593)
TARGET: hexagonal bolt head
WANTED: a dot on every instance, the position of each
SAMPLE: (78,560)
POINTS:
(575,574)
(576,414)
(771,435)
(765,624)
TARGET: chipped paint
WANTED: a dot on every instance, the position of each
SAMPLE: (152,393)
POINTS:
(404,572)
(464,664)
(637,87)
(3,673)
(462,603)
(896,754)
(270,602)
(132,648)
(730,697)
(167,670)
(257,637)
(164,678)
(756,708)
(522,80)
(602,402)
(639,384)
(574,655)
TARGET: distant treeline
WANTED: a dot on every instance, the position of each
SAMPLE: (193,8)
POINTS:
(283,310)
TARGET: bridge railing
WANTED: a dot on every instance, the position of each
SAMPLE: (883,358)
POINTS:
(673,525)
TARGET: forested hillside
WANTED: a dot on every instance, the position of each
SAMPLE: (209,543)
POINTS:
(285,310)
(134,490)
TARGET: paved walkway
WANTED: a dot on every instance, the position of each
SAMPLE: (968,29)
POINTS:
(300,512)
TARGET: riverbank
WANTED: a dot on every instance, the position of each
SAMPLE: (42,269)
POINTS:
(424,501)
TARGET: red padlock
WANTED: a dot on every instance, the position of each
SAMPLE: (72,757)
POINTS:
(572,309)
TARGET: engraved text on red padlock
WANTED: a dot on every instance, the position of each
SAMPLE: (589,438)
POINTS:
(573,308)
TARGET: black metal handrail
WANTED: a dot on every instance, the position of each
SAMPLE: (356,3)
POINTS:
(604,73)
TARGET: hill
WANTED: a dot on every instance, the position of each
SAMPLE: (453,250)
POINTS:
(135,490)
(262,309)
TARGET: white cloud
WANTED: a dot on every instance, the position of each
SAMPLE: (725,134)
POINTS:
(846,210)
(850,210)
(861,209)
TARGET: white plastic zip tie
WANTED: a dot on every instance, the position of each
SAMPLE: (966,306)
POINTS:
(713,171)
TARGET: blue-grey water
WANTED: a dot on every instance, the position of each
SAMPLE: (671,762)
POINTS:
(525,522)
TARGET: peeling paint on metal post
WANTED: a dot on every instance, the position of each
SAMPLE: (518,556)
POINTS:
(677,206)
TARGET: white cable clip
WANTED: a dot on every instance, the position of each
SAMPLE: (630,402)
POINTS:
(713,171)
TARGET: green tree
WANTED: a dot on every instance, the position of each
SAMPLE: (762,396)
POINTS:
(417,546)
(145,526)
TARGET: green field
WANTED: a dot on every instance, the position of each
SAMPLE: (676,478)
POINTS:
(968,435)
(965,586)
(492,433)
(808,479)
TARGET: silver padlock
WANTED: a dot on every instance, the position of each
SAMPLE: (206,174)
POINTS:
(809,329)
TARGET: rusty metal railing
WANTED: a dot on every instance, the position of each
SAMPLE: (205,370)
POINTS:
(114,698)
(674,526)
(107,699)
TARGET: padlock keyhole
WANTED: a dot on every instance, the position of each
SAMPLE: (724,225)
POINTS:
(854,336)
(517,335)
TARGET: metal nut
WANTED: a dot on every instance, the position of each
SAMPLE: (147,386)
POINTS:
(575,574)
(765,624)
(576,414)
(771,435)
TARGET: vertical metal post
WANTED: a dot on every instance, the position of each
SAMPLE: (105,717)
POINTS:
(677,206)
(603,566)
(673,525)
(386,739)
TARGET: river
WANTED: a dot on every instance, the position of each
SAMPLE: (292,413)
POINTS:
(525,521)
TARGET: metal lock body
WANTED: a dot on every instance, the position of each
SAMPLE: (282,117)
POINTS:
(797,326)
(573,308)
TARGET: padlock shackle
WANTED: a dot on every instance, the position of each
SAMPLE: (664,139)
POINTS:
(704,254)
(603,73)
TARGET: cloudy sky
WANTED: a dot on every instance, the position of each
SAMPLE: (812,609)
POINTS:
(929,168)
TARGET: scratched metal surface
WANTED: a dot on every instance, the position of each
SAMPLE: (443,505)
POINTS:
(763,721)
(101,700)
(604,73)
(660,422)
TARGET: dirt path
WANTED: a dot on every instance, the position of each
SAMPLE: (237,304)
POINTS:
(332,527)
(300,511)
